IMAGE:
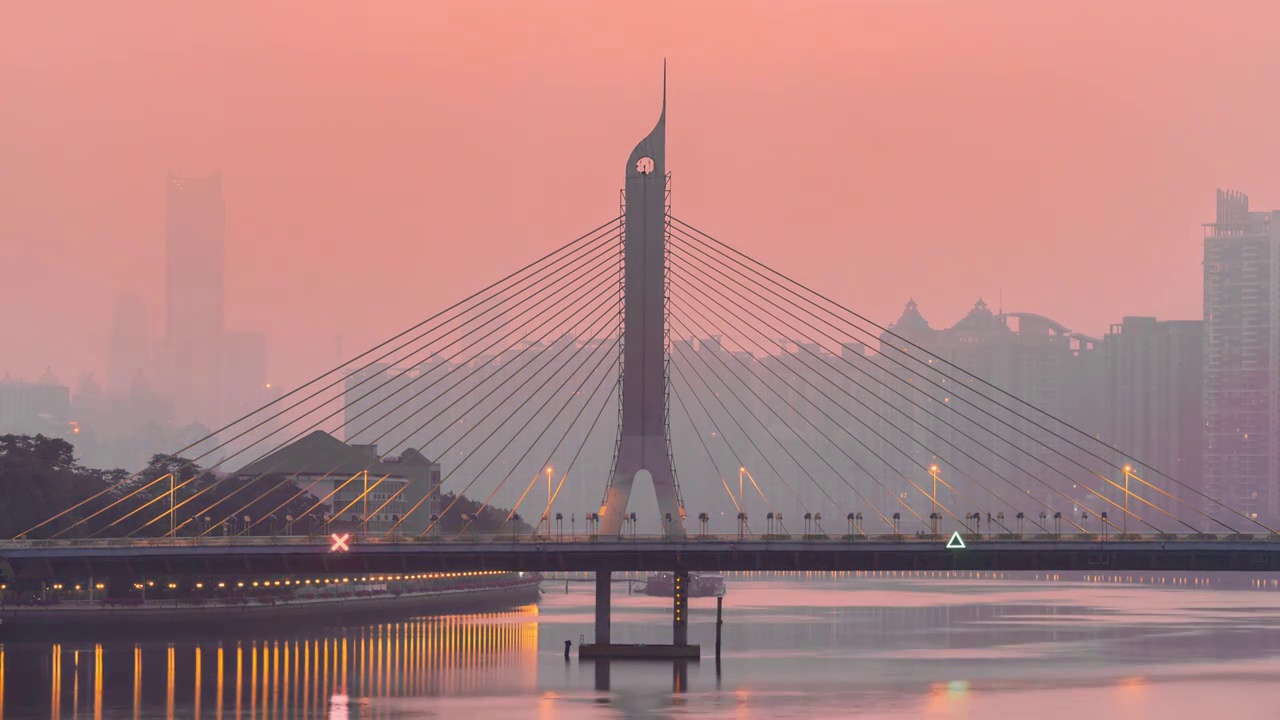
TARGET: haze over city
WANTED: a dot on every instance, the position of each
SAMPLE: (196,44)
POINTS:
(923,361)
(378,163)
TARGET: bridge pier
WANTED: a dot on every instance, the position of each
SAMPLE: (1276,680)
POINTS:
(680,611)
(603,598)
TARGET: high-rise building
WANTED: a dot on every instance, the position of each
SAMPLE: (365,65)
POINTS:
(244,374)
(40,408)
(194,316)
(965,426)
(1241,358)
(1154,393)
(129,352)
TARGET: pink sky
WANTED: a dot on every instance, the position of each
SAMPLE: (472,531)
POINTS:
(380,163)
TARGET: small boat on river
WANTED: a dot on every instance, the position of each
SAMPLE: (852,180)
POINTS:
(700,585)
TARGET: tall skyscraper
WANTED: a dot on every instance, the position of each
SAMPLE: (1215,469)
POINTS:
(194,317)
(244,374)
(129,352)
(1241,393)
(1154,393)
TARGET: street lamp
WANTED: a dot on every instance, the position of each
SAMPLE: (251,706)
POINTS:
(933,472)
(548,514)
(1124,521)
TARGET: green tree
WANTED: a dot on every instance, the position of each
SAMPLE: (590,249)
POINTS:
(39,480)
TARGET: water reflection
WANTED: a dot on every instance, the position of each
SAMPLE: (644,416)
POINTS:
(876,646)
(296,676)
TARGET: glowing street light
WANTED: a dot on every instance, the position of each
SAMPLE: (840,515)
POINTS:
(933,472)
(741,471)
(1128,470)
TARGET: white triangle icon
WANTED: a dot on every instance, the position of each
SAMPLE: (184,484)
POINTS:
(956,542)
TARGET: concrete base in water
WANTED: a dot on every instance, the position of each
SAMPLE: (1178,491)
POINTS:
(640,652)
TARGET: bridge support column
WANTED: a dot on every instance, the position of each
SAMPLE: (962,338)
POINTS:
(604,586)
(680,616)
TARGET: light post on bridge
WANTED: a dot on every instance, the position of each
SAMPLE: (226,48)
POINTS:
(546,514)
(857,519)
(896,518)
(1104,525)
(560,526)
(1057,524)
(934,519)
(817,522)
(1084,522)
(808,523)
(1124,519)
(742,525)
(1020,516)
(933,472)
(703,519)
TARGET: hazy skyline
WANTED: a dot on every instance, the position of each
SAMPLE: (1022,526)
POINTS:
(1062,155)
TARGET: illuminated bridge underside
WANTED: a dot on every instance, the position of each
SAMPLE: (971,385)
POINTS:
(718,555)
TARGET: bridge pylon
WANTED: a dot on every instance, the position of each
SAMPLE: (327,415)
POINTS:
(643,439)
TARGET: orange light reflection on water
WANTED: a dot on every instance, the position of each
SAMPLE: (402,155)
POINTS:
(424,656)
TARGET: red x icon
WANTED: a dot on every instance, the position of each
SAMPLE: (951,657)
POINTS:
(340,542)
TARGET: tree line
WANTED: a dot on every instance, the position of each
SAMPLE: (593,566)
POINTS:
(45,492)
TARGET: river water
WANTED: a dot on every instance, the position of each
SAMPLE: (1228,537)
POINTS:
(812,646)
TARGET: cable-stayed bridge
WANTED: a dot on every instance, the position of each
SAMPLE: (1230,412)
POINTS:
(805,436)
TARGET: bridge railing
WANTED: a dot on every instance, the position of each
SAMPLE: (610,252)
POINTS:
(585,539)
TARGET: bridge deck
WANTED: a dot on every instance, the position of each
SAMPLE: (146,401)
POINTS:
(311,556)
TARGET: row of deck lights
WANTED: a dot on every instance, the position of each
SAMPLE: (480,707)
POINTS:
(286,583)
(329,581)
